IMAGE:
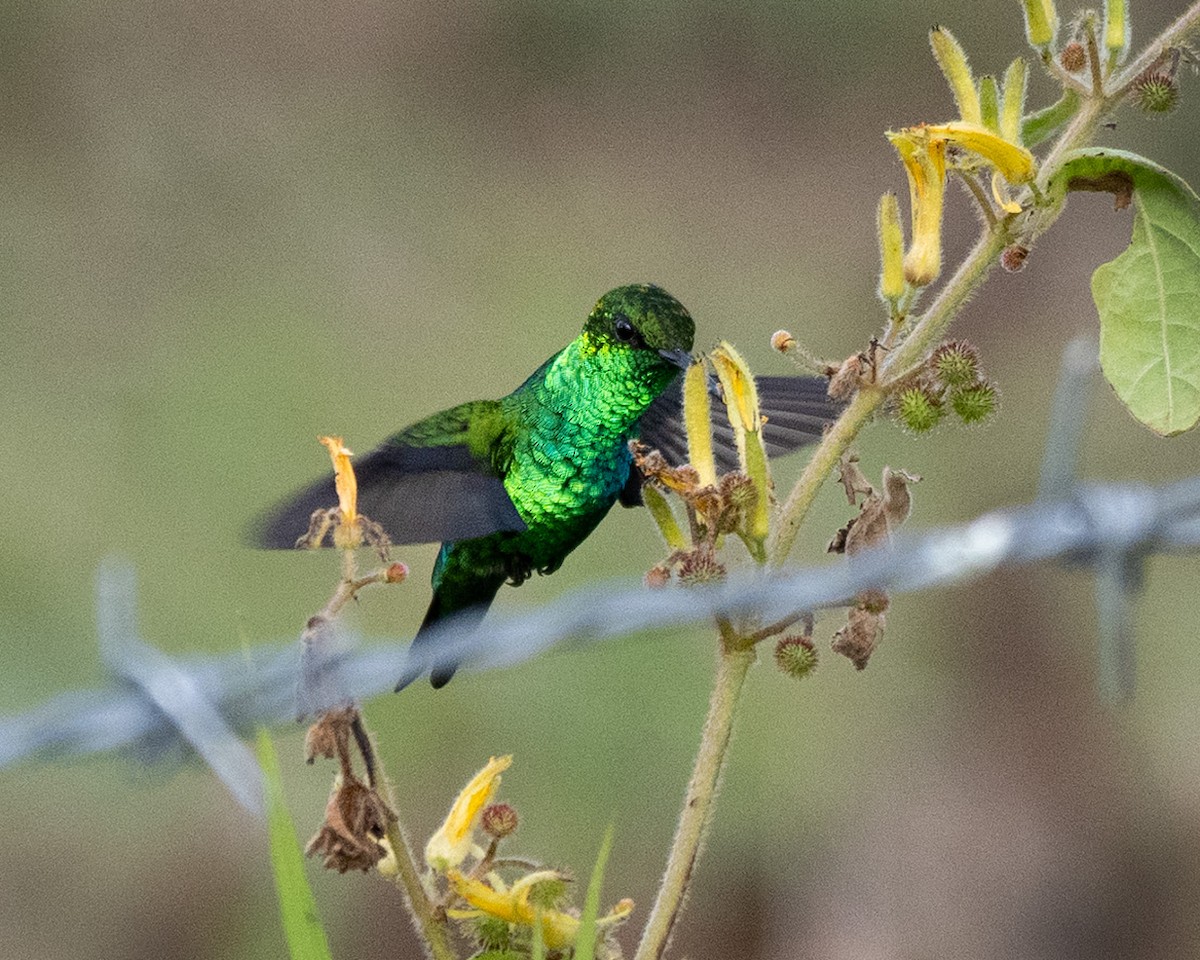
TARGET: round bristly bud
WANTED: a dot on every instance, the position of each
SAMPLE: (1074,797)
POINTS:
(796,656)
(918,409)
(1156,92)
(956,363)
(975,403)
(498,820)
(1073,57)
(548,893)
(1013,258)
(658,577)
(782,341)
(493,934)
(700,567)
(395,573)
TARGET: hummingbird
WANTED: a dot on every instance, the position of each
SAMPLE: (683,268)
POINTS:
(511,486)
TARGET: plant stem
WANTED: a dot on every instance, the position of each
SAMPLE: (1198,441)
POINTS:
(408,878)
(819,466)
(697,807)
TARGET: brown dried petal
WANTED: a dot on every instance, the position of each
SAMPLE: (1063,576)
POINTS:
(847,379)
(852,479)
(330,736)
(356,820)
(859,638)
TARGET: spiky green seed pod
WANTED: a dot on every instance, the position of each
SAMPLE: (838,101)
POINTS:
(493,934)
(956,363)
(548,893)
(975,403)
(1156,92)
(700,567)
(918,409)
(796,656)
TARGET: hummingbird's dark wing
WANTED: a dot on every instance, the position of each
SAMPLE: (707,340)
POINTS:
(436,480)
(797,411)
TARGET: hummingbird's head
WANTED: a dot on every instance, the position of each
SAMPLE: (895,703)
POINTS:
(645,322)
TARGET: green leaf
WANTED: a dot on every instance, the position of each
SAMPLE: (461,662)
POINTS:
(297,906)
(1148,297)
(585,940)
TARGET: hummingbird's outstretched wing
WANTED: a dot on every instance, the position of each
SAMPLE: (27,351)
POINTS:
(797,411)
(437,480)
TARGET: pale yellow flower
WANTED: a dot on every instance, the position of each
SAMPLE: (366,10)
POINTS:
(452,842)
(559,930)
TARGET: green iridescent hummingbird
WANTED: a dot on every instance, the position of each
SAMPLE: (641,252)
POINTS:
(511,486)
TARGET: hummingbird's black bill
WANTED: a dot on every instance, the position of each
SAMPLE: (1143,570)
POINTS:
(681,358)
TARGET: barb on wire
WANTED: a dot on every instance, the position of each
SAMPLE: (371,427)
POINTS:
(205,704)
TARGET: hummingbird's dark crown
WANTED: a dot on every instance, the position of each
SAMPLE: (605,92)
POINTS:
(641,315)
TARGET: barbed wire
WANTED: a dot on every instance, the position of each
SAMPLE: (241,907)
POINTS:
(159,706)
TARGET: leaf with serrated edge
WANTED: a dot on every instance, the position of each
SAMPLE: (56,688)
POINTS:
(1149,296)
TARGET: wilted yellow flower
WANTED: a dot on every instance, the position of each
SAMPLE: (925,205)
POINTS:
(449,846)
(559,930)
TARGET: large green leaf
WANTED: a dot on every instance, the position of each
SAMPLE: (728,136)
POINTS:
(297,905)
(1149,296)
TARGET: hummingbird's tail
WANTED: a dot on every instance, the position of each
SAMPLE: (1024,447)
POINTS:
(466,615)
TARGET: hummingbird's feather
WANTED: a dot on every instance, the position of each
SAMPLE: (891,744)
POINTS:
(436,480)
(797,411)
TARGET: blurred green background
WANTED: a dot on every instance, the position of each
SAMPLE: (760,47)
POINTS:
(232,226)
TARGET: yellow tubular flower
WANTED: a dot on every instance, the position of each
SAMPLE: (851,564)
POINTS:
(1013,107)
(1013,161)
(925,162)
(891,249)
(343,478)
(1041,22)
(741,403)
(449,846)
(1116,27)
(951,57)
(697,424)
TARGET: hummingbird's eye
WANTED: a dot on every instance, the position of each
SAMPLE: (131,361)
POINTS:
(623,330)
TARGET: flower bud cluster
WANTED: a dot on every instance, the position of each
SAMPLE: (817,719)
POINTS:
(952,379)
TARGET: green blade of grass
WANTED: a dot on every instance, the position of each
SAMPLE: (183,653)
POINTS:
(585,941)
(297,905)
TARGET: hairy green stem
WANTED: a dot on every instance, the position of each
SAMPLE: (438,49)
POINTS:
(408,878)
(697,805)
(836,441)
